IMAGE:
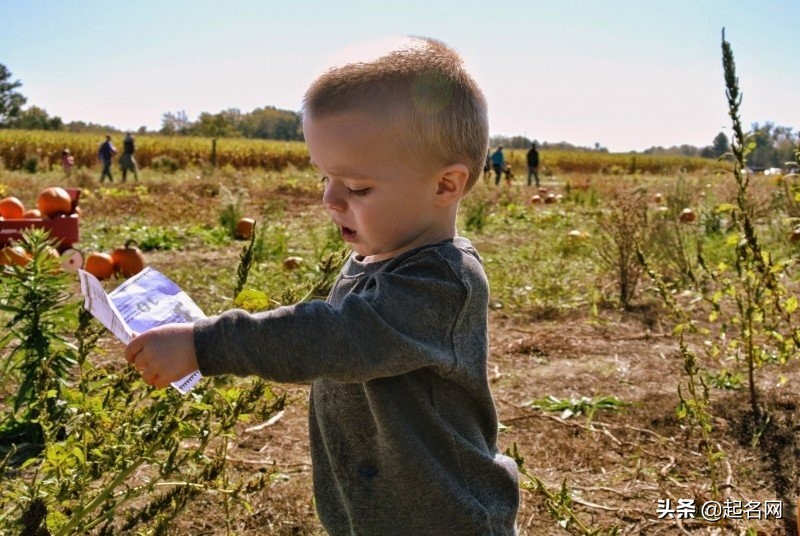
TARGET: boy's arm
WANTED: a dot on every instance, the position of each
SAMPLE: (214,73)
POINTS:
(403,323)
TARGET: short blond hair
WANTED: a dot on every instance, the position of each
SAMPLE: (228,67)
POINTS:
(423,89)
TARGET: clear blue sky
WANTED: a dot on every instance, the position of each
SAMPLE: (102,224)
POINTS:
(629,74)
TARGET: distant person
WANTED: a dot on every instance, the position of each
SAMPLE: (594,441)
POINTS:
(533,164)
(67,162)
(487,166)
(127,161)
(509,174)
(498,163)
(106,154)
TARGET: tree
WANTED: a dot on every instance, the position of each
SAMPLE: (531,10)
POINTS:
(35,118)
(175,123)
(214,125)
(270,123)
(11,101)
(773,145)
(720,145)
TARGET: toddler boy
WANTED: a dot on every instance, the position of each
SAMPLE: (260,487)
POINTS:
(402,424)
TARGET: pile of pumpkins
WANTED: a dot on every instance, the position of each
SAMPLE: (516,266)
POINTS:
(125,260)
(51,202)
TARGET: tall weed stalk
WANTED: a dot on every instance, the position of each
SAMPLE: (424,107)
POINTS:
(93,449)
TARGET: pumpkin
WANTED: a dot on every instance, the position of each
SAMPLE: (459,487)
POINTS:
(54,201)
(128,260)
(536,199)
(244,228)
(99,264)
(11,208)
(292,263)
(687,215)
(14,255)
(32,213)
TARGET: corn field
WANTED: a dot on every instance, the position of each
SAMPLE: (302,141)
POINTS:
(25,149)
(41,150)
(615,163)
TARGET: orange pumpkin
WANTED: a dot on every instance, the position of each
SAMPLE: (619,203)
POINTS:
(32,213)
(99,265)
(54,201)
(292,263)
(128,259)
(687,215)
(244,228)
(14,255)
(11,208)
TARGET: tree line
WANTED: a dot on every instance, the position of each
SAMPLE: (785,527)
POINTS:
(770,145)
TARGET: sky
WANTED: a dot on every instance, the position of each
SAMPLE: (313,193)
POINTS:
(627,74)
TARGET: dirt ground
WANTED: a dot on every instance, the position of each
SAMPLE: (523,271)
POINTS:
(617,466)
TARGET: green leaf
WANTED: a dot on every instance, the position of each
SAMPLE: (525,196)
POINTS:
(725,207)
(791,304)
(252,300)
(732,239)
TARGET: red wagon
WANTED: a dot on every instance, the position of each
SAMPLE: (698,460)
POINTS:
(65,229)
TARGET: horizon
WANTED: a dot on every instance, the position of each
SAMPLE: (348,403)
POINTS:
(623,75)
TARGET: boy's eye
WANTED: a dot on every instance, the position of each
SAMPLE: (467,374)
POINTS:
(358,193)
(361,192)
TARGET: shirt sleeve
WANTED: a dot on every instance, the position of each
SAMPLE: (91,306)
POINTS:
(402,321)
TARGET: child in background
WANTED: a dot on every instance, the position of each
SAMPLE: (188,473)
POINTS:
(402,424)
(508,173)
(67,162)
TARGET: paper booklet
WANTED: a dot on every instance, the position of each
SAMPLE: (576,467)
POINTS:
(144,301)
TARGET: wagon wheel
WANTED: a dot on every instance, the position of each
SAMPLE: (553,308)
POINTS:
(71,260)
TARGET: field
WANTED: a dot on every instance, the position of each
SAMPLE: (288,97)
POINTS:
(621,380)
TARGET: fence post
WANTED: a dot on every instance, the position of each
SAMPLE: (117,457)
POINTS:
(214,153)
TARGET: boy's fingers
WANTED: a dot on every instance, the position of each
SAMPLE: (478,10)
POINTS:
(133,349)
(149,378)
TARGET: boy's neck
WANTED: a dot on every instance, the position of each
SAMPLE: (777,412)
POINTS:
(445,232)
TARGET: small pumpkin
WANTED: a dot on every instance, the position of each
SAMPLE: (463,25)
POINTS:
(292,263)
(99,264)
(128,259)
(11,208)
(32,213)
(244,228)
(14,255)
(687,215)
(54,201)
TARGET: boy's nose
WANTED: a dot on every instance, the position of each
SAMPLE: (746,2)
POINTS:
(333,198)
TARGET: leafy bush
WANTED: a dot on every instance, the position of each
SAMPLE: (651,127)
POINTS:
(165,164)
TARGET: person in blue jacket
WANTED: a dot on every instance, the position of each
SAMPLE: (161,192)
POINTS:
(105,154)
(498,163)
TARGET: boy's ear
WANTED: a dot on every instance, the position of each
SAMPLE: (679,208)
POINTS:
(451,185)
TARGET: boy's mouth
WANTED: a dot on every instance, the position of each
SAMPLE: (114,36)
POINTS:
(348,234)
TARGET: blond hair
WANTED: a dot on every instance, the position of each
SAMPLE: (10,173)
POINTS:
(424,90)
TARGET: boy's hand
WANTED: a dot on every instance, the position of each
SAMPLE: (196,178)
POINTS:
(163,354)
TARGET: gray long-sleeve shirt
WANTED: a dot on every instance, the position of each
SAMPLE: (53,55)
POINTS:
(402,424)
